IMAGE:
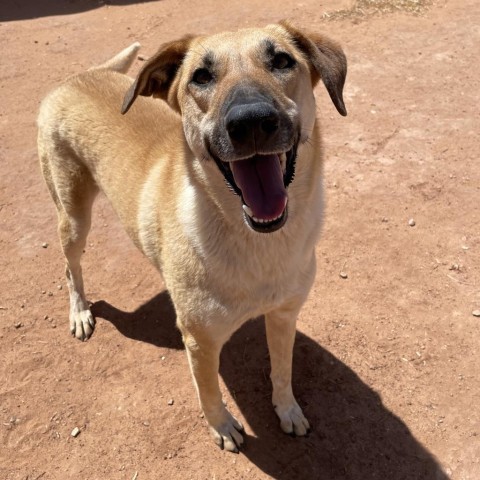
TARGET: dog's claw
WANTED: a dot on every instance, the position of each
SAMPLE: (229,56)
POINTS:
(82,324)
(227,435)
(292,420)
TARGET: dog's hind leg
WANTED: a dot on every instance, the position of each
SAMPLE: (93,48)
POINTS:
(73,191)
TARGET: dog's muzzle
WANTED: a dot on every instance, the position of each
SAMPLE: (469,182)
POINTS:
(256,139)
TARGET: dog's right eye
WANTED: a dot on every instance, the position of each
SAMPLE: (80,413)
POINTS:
(202,76)
(282,61)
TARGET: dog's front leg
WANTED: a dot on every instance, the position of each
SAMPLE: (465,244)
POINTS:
(203,351)
(280,325)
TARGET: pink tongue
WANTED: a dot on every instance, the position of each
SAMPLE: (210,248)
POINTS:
(260,179)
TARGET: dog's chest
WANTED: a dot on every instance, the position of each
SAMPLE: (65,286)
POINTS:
(234,288)
(246,273)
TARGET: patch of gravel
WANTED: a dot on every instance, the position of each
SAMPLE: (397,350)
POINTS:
(363,9)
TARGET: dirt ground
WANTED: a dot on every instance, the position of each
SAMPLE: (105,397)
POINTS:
(386,360)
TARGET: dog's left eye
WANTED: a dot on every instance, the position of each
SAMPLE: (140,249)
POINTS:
(282,61)
(202,76)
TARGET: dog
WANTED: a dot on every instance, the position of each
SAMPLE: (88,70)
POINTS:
(215,171)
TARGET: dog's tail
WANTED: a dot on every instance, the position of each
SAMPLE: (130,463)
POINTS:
(122,61)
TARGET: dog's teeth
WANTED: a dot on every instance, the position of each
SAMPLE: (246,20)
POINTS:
(262,220)
(248,210)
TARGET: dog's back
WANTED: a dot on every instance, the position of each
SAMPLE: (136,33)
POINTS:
(83,139)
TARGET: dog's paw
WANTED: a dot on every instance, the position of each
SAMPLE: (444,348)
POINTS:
(227,434)
(82,324)
(292,419)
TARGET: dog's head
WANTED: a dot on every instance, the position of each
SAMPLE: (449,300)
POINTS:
(246,99)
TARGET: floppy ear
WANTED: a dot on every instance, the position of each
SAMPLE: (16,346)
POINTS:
(157,75)
(327,62)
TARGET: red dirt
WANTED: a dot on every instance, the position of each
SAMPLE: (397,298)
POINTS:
(386,361)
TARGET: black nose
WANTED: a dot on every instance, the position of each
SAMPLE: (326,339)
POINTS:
(251,122)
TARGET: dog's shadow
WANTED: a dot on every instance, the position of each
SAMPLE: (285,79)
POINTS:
(354,436)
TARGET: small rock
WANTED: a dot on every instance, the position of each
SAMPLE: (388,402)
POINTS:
(170,402)
(59,287)
(163,358)
(146,423)
(18,325)
(142,58)
(343,275)
(45,317)
(50,294)
(476,313)
(44,245)
(411,222)
(75,432)
(385,219)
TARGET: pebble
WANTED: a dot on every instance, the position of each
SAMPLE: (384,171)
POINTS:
(146,423)
(44,245)
(18,325)
(343,275)
(170,402)
(59,287)
(476,313)
(411,222)
(75,432)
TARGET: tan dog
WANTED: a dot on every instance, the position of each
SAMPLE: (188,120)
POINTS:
(220,186)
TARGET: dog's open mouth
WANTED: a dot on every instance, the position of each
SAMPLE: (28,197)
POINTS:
(262,183)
